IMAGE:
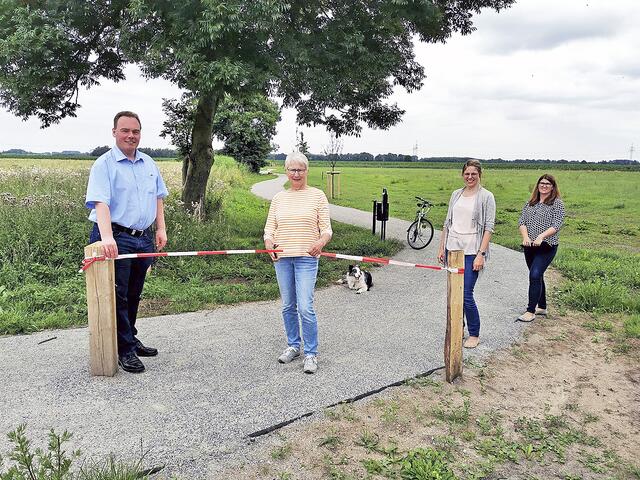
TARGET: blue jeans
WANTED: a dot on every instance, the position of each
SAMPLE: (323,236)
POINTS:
(130,275)
(470,308)
(297,280)
(538,259)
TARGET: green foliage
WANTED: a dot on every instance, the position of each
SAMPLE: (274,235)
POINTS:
(247,125)
(282,451)
(417,464)
(632,326)
(337,63)
(55,463)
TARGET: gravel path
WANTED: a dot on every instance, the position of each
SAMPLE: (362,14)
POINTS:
(216,379)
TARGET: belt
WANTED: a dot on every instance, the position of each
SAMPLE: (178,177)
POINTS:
(131,231)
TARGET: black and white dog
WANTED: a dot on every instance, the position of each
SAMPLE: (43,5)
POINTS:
(358,279)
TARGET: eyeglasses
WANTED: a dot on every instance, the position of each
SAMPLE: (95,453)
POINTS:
(545,184)
(296,170)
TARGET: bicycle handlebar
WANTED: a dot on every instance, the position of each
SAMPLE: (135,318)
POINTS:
(427,202)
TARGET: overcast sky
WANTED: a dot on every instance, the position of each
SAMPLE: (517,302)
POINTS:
(543,79)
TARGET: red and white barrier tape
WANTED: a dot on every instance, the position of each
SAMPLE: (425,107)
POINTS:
(389,261)
(87,262)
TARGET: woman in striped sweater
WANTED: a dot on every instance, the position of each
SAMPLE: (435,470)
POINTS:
(298,223)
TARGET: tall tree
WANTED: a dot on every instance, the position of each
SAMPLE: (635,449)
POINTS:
(335,61)
(247,125)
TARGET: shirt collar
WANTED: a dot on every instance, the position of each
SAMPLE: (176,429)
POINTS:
(119,156)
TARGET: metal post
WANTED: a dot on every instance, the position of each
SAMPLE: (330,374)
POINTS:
(375,208)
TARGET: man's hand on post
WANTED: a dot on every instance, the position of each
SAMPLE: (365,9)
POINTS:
(109,247)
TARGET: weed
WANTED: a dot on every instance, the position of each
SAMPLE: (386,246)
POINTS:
(599,325)
(498,448)
(282,451)
(480,470)
(632,326)
(332,413)
(55,463)
(590,418)
(425,463)
(592,462)
(489,423)
(559,338)
(423,382)
(518,352)
(382,467)
(285,476)
(332,471)
(458,415)
(369,440)
(390,413)
(622,348)
(332,442)
(468,435)
(348,413)
(446,443)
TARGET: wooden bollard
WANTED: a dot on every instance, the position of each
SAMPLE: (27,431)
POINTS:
(453,338)
(101,309)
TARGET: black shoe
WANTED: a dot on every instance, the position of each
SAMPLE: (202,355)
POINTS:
(143,351)
(131,363)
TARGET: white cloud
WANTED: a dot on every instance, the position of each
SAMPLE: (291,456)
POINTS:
(543,79)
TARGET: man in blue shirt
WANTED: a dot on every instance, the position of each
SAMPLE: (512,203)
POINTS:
(125,194)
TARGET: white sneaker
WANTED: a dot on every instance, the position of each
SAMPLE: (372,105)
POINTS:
(541,311)
(310,364)
(527,317)
(289,354)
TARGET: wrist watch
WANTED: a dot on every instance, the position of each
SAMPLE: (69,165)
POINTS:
(484,254)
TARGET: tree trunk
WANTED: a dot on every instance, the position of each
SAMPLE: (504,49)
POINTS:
(197,165)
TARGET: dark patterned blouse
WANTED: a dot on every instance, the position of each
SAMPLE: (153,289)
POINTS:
(540,217)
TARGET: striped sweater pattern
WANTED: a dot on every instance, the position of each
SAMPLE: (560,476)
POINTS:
(296,220)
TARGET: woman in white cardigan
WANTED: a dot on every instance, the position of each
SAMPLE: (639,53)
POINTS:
(469,224)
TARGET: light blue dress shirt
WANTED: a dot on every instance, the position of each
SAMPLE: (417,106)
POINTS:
(130,189)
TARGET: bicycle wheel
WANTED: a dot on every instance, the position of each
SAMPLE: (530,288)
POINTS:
(419,234)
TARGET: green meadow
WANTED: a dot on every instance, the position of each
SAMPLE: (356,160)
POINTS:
(600,240)
(44,228)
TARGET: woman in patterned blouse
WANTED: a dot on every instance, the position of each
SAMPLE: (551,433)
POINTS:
(541,219)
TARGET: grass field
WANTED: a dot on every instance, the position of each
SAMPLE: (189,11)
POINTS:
(600,241)
(44,228)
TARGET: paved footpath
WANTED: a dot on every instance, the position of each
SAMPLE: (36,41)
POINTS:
(217,380)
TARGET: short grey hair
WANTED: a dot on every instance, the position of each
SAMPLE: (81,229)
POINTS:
(296,157)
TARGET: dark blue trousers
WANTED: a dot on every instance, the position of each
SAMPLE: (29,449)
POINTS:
(130,275)
(470,308)
(538,259)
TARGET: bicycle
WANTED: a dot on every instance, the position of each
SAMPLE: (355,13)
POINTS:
(420,232)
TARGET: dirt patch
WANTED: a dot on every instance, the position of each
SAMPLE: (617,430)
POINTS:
(562,403)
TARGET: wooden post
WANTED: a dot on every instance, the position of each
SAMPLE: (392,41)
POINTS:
(101,309)
(453,339)
(333,184)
